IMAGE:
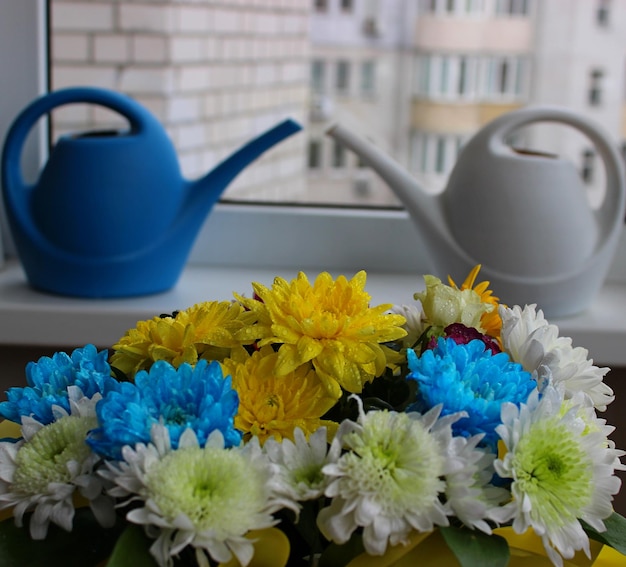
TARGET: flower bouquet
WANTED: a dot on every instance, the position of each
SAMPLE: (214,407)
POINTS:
(303,426)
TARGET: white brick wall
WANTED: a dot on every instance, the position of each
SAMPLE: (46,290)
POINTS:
(83,16)
(71,47)
(151,17)
(215,72)
(149,48)
(111,48)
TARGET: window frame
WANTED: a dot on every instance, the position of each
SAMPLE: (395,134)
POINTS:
(24,57)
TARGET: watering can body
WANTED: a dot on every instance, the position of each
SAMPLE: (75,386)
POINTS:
(525,217)
(111,214)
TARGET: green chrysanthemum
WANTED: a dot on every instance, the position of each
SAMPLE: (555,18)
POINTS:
(52,463)
(553,469)
(562,469)
(44,459)
(390,478)
(208,498)
(212,487)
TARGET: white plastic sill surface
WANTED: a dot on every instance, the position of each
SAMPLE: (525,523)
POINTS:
(31,318)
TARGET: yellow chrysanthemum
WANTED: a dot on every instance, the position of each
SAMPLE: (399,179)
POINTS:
(272,405)
(329,323)
(206,330)
(490,321)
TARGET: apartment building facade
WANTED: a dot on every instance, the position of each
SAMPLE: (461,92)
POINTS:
(461,63)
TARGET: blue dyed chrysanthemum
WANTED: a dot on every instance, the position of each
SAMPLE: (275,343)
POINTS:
(48,379)
(197,397)
(468,377)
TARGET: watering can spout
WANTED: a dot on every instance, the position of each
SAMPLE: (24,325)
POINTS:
(423,207)
(205,191)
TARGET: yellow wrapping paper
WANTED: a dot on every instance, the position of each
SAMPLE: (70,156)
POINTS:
(430,550)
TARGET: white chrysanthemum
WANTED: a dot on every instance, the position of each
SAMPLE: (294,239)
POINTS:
(208,498)
(390,479)
(301,464)
(469,493)
(562,469)
(43,471)
(414,325)
(536,345)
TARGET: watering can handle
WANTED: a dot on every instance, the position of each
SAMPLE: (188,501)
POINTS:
(139,118)
(610,214)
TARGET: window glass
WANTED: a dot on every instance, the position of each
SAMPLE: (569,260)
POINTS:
(339,155)
(440,155)
(588,165)
(346,5)
(603,12)
(315,154)
(218,73)
(317,76)
(595,87)
(368,78)
(462,83)
(342,82)
(321,5)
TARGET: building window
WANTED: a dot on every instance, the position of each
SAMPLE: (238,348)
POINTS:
(321,5)
(462,84)
(444,74)
(512,7)
(603,12)
(422,85)
(342,82)
(434,155)
(346,5)
(315,154)
(473,6)
(503,76)
(423,166)
(588,163)
(361,187)
(429,6)
(452,6)
(465,77)
(519,77)
(317,75)
(440,155)
(595,87)
(368,78)
(339,155)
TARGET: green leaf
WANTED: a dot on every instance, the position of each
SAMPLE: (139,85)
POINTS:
(615,534)
(473,548)
(132,549)
(339,555)
(88,544)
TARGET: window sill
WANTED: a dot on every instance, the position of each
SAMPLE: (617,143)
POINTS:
(33,318)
